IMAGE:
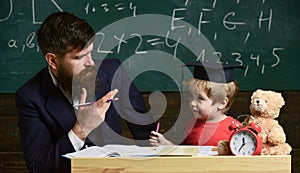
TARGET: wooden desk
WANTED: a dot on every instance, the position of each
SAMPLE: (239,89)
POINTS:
(220,164)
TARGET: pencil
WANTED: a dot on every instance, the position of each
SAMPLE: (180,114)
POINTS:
(157,127)
(112,99)
(83,104)
(90,103)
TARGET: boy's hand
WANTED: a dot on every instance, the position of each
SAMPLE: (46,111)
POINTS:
(157,139)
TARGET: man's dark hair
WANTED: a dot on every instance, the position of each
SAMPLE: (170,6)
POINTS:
(62,32)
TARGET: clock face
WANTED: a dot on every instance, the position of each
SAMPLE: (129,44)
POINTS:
(243,143)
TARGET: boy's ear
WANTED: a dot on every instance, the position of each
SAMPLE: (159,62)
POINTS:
(223,103)
(51,59)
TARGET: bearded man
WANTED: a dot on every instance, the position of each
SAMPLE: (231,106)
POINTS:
(50,126)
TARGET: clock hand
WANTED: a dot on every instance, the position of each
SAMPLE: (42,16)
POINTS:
(243,144)
(248,142)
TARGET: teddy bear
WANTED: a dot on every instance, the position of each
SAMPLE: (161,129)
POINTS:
(265,108)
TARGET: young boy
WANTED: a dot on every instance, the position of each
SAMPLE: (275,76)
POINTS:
(212,92)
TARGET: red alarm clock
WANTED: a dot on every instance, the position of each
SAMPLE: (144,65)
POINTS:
(245,140)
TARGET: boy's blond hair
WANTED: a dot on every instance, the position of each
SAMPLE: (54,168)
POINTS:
(216,91)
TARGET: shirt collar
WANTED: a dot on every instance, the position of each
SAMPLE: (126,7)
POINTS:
(68,96)
(52,76)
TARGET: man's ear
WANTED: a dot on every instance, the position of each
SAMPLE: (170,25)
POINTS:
(51,58)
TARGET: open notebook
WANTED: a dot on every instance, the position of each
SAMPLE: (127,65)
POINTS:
(136,151)
(113,151)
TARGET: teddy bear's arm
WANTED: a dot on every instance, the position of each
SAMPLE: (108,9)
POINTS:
(223,147)
(276,134)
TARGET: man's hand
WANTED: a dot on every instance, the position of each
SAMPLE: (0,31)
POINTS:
(90,117)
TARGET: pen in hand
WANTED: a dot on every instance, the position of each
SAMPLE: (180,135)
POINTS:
(157,127)
(90,103)
(112,99)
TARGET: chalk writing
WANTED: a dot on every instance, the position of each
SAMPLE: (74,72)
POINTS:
(177,15)
(120,39)
(102,38)
(9,11)
(107,7)
(249,33)
(34,21)
(28,43)
(201,21)
(174,19)
(137,50)
(268,19)
(247,37)
(231,25)
(274,53)
(237,57)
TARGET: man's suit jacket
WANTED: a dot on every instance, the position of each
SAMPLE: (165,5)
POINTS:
(46,116)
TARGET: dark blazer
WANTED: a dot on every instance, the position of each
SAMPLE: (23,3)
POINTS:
(46,117)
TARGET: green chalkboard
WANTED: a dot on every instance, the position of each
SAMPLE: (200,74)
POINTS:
(153,38)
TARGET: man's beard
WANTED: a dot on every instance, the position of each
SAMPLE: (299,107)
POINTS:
(73,84)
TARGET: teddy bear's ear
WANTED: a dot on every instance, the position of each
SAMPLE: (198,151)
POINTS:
(280,99)
(257,94)
(258,90)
